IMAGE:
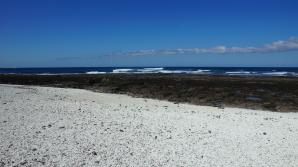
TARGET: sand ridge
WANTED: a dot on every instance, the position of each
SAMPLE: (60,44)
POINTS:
(42,126)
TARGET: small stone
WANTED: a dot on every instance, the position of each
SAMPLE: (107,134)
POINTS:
(34,149)
(23,163)
(94,153)
(264,133)
(155,137)
(209,131)
(121,130)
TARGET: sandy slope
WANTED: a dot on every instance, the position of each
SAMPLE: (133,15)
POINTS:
(69,127)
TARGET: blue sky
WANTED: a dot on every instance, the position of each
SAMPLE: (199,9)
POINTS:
(55,33)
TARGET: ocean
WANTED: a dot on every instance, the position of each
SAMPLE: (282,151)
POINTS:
(230,71)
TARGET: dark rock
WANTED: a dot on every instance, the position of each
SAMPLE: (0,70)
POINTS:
(253,98)
(280,92)
(94,153)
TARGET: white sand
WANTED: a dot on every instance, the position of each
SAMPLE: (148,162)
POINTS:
(70,127)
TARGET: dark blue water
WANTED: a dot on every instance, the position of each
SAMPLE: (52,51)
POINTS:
(239,71)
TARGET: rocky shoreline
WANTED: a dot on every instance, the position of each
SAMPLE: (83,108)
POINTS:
(265,93)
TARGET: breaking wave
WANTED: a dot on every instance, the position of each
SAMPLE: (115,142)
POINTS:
(95,72)
(229,71)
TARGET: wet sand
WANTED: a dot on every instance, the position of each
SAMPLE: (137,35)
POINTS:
(42,126)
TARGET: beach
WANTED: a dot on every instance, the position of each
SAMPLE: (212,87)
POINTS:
(44,126)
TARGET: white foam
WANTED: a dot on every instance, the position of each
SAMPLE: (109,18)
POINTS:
(199,71)
(161,70)
(275,73)
(238,72)
(154,69)
(123,70)
(149,70)
(95,72)
(173,71)
(46,74)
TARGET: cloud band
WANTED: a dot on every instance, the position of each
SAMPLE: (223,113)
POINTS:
(290,44)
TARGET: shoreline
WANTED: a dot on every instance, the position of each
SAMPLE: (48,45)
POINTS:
(263,93)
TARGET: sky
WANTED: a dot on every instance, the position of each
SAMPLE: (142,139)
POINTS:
(105,33)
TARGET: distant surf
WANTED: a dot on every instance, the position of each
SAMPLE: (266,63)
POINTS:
(229,71)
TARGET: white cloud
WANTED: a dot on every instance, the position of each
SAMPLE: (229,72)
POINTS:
(290,44)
